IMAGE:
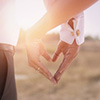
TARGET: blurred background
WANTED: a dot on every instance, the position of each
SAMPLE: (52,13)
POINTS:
(81,81)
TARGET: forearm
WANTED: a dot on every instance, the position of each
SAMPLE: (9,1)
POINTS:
(57,15)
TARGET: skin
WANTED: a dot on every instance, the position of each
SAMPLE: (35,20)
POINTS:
(69,52)
(34,51)
(57,15)
(51,19)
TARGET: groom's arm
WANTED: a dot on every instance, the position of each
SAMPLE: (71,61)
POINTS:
(70,40)
(56,15)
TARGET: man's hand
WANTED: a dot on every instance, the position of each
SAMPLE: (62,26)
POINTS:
(36,49)
(69,52)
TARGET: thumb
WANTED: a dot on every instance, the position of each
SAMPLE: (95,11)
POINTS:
(56,54)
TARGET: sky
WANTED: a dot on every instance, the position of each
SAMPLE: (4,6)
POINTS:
(30,11)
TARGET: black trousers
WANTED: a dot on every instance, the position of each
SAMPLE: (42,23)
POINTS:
(7,77)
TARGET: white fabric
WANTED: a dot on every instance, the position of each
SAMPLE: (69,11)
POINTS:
(9,31)
(66,30)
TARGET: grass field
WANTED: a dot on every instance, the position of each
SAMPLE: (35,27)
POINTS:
(81,81)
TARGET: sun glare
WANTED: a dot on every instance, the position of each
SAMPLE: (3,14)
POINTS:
(28,12)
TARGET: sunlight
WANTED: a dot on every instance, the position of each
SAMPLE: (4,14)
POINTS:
(28,12)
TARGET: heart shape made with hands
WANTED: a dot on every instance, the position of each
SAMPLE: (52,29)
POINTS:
(37,49)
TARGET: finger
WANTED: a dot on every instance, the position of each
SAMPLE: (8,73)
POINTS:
(45,71)
(44,53)
(34,61)
(35,67)
(57,73)
(56,54)
(50,75)
(68,59)
(33,64)
(46,56)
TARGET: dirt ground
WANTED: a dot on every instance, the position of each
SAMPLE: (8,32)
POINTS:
(81,81)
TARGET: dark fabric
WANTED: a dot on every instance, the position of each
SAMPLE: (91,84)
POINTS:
(6,47)
(7,77)
(3,72)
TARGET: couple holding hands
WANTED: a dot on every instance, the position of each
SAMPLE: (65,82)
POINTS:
(71,36)
(67,13)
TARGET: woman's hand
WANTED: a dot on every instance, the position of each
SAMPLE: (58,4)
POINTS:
(36,49)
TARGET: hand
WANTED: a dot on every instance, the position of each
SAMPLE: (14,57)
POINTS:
(36,49)
(69,52)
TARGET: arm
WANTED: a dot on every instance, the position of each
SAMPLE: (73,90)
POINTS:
(70,51)
(52,18)
(56,15)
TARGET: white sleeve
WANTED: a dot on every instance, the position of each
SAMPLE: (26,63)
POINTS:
(67,34)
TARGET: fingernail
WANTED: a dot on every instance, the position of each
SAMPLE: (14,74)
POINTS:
(54,81)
